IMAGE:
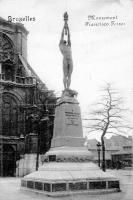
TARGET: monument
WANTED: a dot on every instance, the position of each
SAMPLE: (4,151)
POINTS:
(68,166)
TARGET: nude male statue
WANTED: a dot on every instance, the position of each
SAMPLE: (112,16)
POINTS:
(65,48)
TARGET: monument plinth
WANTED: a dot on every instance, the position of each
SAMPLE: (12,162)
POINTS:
(68,142)
(67,125)
(68,166)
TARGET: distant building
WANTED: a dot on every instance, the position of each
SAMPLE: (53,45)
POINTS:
(117,142)
(124,155)
(25,104)
(116,148)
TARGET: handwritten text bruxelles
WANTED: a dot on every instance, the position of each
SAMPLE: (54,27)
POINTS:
(21,19)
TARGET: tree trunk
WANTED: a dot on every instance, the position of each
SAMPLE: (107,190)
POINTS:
(103,154)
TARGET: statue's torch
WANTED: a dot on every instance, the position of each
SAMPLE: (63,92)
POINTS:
(65,22)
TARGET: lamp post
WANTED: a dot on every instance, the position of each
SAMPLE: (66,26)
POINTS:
(98,150)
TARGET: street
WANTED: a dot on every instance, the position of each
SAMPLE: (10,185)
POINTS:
(10,190)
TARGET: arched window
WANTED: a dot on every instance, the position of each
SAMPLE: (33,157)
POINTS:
(9,116)
(7,57)
(6,48)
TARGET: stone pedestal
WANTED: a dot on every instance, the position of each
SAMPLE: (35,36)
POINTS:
(68,166)
(67,125)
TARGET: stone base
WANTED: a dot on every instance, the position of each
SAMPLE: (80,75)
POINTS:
(68,193)
(68,167)
(59,179)
(68,154)
(69,170)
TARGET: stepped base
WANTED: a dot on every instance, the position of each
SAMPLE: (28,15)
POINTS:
(68,167)
(58,179)
(68,154)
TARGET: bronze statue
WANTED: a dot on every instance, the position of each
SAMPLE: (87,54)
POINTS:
(65,48)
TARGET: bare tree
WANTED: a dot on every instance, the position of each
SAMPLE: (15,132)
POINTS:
(107,116)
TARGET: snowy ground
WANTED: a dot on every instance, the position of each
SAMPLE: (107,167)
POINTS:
(10,190)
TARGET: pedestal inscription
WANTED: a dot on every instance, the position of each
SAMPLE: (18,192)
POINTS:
(72,118)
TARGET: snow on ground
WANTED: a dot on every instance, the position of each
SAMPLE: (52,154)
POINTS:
(10,190)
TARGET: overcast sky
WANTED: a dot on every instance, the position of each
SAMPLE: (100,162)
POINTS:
(99,53)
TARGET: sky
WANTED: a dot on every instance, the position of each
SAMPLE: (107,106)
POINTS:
(100,54)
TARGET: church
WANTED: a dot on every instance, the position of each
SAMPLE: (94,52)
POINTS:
(26,105)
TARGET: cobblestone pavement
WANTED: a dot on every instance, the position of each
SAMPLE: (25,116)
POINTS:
(10,190)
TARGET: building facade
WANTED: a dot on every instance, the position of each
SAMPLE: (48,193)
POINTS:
(117,148)
(26,104)
(124,157)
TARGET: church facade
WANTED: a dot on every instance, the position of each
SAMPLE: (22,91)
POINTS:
(26,104)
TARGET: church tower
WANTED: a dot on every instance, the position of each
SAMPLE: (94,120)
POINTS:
(19,98)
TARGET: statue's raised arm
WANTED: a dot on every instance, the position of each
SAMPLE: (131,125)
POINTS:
(69,40)
(62,36)
(65,48)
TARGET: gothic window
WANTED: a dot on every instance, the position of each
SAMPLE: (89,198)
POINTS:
(6,48)
(7,57)
(9,116)
(19,71)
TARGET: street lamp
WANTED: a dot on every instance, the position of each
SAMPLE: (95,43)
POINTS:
(98,150)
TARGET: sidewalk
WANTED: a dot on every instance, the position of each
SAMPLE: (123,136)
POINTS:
(10,190)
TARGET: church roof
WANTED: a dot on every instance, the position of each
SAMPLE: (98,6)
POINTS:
(28,70)
(14,25)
